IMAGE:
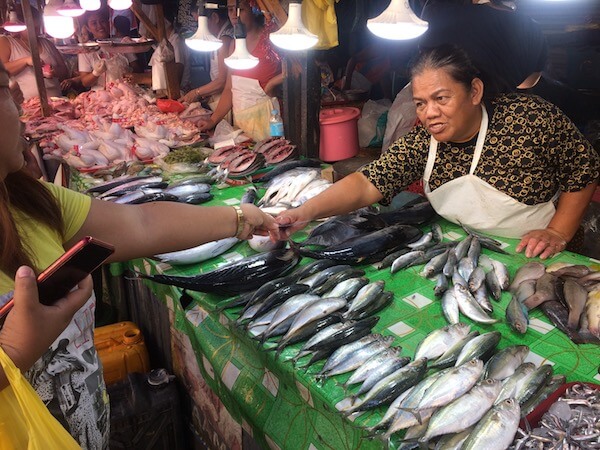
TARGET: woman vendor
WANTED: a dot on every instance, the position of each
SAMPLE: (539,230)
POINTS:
(16,56)
(38,221)
(512,166)
(248,92)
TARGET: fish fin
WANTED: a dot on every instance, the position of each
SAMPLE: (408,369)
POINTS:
(415,412)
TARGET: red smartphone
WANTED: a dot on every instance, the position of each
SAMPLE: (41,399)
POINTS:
(63,274)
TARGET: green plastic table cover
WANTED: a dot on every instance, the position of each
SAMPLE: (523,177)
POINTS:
(286,408)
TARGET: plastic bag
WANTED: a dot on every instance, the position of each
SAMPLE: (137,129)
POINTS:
(224,131)
(163,53)
(25,422)
(402,116)
(372,123)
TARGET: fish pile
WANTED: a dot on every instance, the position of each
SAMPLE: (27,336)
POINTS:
(276,150)
(569,295)
(459,270)
(146,189)
(233,278)
(458,387)
(573,422)
(292,188)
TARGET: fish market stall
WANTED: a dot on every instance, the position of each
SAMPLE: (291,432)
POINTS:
(283,406)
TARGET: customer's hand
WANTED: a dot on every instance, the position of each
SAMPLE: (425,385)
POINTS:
(288,222)
(257,222)
(205,125)
(190,97)
(31,327)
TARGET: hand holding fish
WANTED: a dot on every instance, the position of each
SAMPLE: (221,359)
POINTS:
(545,243)
(253,221)
(288,222)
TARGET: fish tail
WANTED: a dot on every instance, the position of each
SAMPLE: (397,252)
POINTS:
(415,412)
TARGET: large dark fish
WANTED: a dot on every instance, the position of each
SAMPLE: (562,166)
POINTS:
(366,248)
(412,214)
(240,276)
(341,228)
(114,183)
(559,316)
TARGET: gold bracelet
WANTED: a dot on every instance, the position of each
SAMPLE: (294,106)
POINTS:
(241,220)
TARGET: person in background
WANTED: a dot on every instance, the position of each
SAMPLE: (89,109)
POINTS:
(511,165)
(248,93)
(220,26)
(38,221)
(122,26)
(182,56)
(16,56)
(100,67)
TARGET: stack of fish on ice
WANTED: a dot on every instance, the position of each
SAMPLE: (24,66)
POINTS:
(569,295)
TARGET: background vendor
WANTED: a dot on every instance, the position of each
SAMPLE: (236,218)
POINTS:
(248,93)
(16,56)
(513,165)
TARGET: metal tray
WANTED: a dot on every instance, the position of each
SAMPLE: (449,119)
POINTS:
(136,45)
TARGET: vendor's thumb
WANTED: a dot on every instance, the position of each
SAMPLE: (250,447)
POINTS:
(26,291)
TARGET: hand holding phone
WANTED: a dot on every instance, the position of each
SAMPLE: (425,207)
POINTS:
(67,271)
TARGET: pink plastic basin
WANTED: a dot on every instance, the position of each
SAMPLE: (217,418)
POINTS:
(339,133)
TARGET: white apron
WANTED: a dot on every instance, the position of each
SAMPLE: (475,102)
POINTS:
(251,107)
(470,201)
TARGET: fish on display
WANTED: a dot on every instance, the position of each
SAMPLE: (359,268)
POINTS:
(199,253)
(289,165)
(240,276)
(496,429)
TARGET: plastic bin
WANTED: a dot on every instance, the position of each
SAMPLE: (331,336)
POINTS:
(122,350)
(145,413)
(339,133)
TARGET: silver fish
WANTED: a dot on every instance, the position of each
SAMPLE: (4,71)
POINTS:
(423,243)
(290,308)
(474,251)
(462,247)
(463,412)
(469,306)
(198,254)
(512,384)
(406,259)
(448,358)
(501,273)
(482,297)
(315,311)
(348,288)
(496,429)
(441,284)
(517,315)
(188,189)
(353,358)
(321,277)
(478,347)
(435,265)
(451,263)
(504,363)
(372,364)
(493,284)
(366,295)
(450,306)
(453,441)
(438,341)
(532,382)
(476,279)
(380,372)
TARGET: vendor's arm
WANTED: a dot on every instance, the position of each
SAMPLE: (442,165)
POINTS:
(167,226)
(217,85)
(563,226)
(138,78)
(31,327)
(272,84)
(350,193)
(224,106)
(13,67)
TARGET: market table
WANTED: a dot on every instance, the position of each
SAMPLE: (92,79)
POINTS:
(286,408)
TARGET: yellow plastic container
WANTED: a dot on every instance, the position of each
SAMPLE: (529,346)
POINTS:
(122,350)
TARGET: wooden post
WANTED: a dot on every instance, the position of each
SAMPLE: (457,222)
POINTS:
(273,8)
(158,32)
(35,57)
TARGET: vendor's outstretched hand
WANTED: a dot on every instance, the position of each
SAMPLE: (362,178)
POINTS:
(31,327)
(257,222)
(545,243)
(288,223)
(205,125)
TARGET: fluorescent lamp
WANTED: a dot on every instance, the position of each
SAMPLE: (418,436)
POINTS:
(13,24)
(293,35)
(119,5)
(70,8)
(203,40)
(397,22)
(241,59)
(90,5)
(57,26)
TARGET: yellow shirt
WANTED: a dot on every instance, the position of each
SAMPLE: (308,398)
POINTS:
(44,243)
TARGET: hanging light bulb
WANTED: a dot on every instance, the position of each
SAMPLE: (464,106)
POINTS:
(90,5)
(119,5)
(203,40)
(397,22)
(240,59)
(70,8)
(293,35)
(13,24)
(57,26)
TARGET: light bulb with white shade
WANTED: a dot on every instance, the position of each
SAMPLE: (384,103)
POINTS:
(90,5)
(203,40)
(13,24)
(241,59)
(70,8)
(119,5)
(397,22)
(293,35)
(57,26)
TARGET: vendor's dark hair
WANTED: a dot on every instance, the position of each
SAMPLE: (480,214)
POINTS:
(20,192)
(451,58)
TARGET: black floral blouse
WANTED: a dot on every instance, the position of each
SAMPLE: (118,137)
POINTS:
(531,151)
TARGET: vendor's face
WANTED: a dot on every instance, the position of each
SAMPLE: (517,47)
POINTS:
(11,151)
(448,110)
(232,11)
(99,27)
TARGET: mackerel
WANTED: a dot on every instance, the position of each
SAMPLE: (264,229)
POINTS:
(199,253)
(513,383)
(478,347)
(438,341)
(290,308)
(346,289)
(496,429)
(504,363)
(381,372)
(448,358)
(386,357)
(314,312)
(339,279)
(469,306)
(364,296)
